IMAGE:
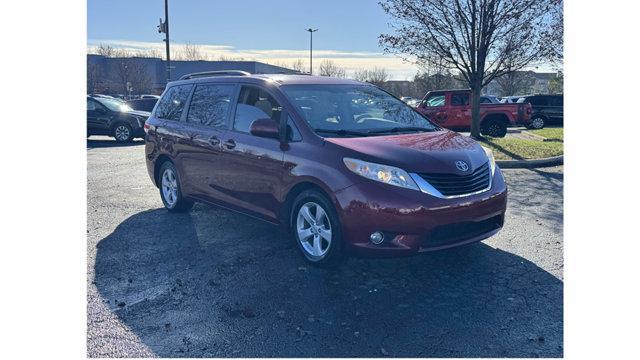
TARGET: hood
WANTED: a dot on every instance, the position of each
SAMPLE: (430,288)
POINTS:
(428,152)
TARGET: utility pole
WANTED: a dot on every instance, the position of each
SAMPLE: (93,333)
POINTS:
(311,31)
(164,28)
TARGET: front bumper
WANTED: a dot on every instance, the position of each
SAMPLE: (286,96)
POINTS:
(414,222)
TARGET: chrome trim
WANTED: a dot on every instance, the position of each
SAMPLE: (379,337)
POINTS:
(427,188)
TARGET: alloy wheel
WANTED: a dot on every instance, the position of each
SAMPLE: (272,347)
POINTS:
(122,133)
(537,123)
(170,187)
(314,230)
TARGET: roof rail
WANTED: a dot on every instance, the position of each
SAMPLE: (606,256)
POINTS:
(215,73)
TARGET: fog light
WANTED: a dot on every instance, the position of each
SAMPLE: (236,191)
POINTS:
(377,237)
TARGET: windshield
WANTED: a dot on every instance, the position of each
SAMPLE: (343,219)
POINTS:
(114,105)
(354,110)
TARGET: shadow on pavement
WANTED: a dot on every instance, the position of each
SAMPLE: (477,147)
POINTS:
(103,143)
(217,284)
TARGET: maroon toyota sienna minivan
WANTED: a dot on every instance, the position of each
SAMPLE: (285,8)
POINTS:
(345,166)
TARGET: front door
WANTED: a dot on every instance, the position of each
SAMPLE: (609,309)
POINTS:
(434,108)
(253,166)
(98,118)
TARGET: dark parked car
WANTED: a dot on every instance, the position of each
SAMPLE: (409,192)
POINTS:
(346,167)
(547,110)
(114,118)
(144,104)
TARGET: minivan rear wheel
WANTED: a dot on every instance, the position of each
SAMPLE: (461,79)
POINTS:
(316,228)
(170,191)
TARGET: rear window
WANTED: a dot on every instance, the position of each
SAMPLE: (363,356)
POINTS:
(172,103)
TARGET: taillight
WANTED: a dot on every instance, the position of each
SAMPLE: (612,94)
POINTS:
(148,127)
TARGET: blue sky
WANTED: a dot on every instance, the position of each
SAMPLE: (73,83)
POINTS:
(271,31)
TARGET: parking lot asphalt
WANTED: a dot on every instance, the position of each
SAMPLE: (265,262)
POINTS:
(211,283)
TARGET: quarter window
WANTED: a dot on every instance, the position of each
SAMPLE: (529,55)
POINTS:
(172,102)
(254,104)
(210,105)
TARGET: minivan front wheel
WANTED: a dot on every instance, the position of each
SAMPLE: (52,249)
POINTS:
(316,228)
(170,191)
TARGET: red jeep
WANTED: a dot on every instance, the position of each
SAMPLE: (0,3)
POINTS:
(451,109)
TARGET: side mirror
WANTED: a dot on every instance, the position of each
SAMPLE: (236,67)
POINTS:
(266,128)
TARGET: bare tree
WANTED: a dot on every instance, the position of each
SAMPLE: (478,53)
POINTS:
(329,68)
(94,77)
(473,37)
(106,50)
(299,66)
(191,52)
(554,35)
(516,83)
(376,76)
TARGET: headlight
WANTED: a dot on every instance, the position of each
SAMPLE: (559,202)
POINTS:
(382,173)
(492,160)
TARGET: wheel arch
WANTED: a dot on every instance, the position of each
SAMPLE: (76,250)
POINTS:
(499,116)
(297,189)
(156,168)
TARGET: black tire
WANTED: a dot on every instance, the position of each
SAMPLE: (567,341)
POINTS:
(122,132)
(335,253)
(179,204)
(537,122)
(494,128)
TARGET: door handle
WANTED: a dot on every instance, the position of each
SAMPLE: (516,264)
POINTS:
(229,144)
(214,141)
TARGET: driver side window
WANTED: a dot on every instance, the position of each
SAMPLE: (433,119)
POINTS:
(254,104)
(435,100)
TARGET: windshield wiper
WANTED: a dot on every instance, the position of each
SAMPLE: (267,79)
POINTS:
(342,132)
(400,129)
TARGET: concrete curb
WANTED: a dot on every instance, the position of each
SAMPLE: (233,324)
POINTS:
(530,164)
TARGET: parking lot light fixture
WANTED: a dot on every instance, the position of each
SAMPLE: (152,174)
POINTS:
(311,31)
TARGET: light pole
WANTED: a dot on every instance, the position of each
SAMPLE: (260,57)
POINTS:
(311,31)
(164,28)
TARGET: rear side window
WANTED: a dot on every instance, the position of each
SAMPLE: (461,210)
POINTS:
(210,105)
(172,103)
(556,101)
(435,100)
(539,101)
(459,99)
(254,104)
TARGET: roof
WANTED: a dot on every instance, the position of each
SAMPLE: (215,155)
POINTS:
(280,79)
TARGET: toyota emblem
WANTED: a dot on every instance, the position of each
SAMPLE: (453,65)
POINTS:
(462,166)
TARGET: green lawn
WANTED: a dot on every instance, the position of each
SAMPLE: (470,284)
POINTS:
(518,149)
(554,134)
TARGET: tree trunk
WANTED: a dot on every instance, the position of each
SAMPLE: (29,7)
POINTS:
(476,89)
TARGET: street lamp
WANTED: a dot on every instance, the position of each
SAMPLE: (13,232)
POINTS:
(311,31)
(164,28)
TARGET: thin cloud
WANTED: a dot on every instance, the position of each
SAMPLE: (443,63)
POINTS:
(351,61)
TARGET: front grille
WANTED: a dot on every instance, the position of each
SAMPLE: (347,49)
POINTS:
(453,233)
(452,184)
